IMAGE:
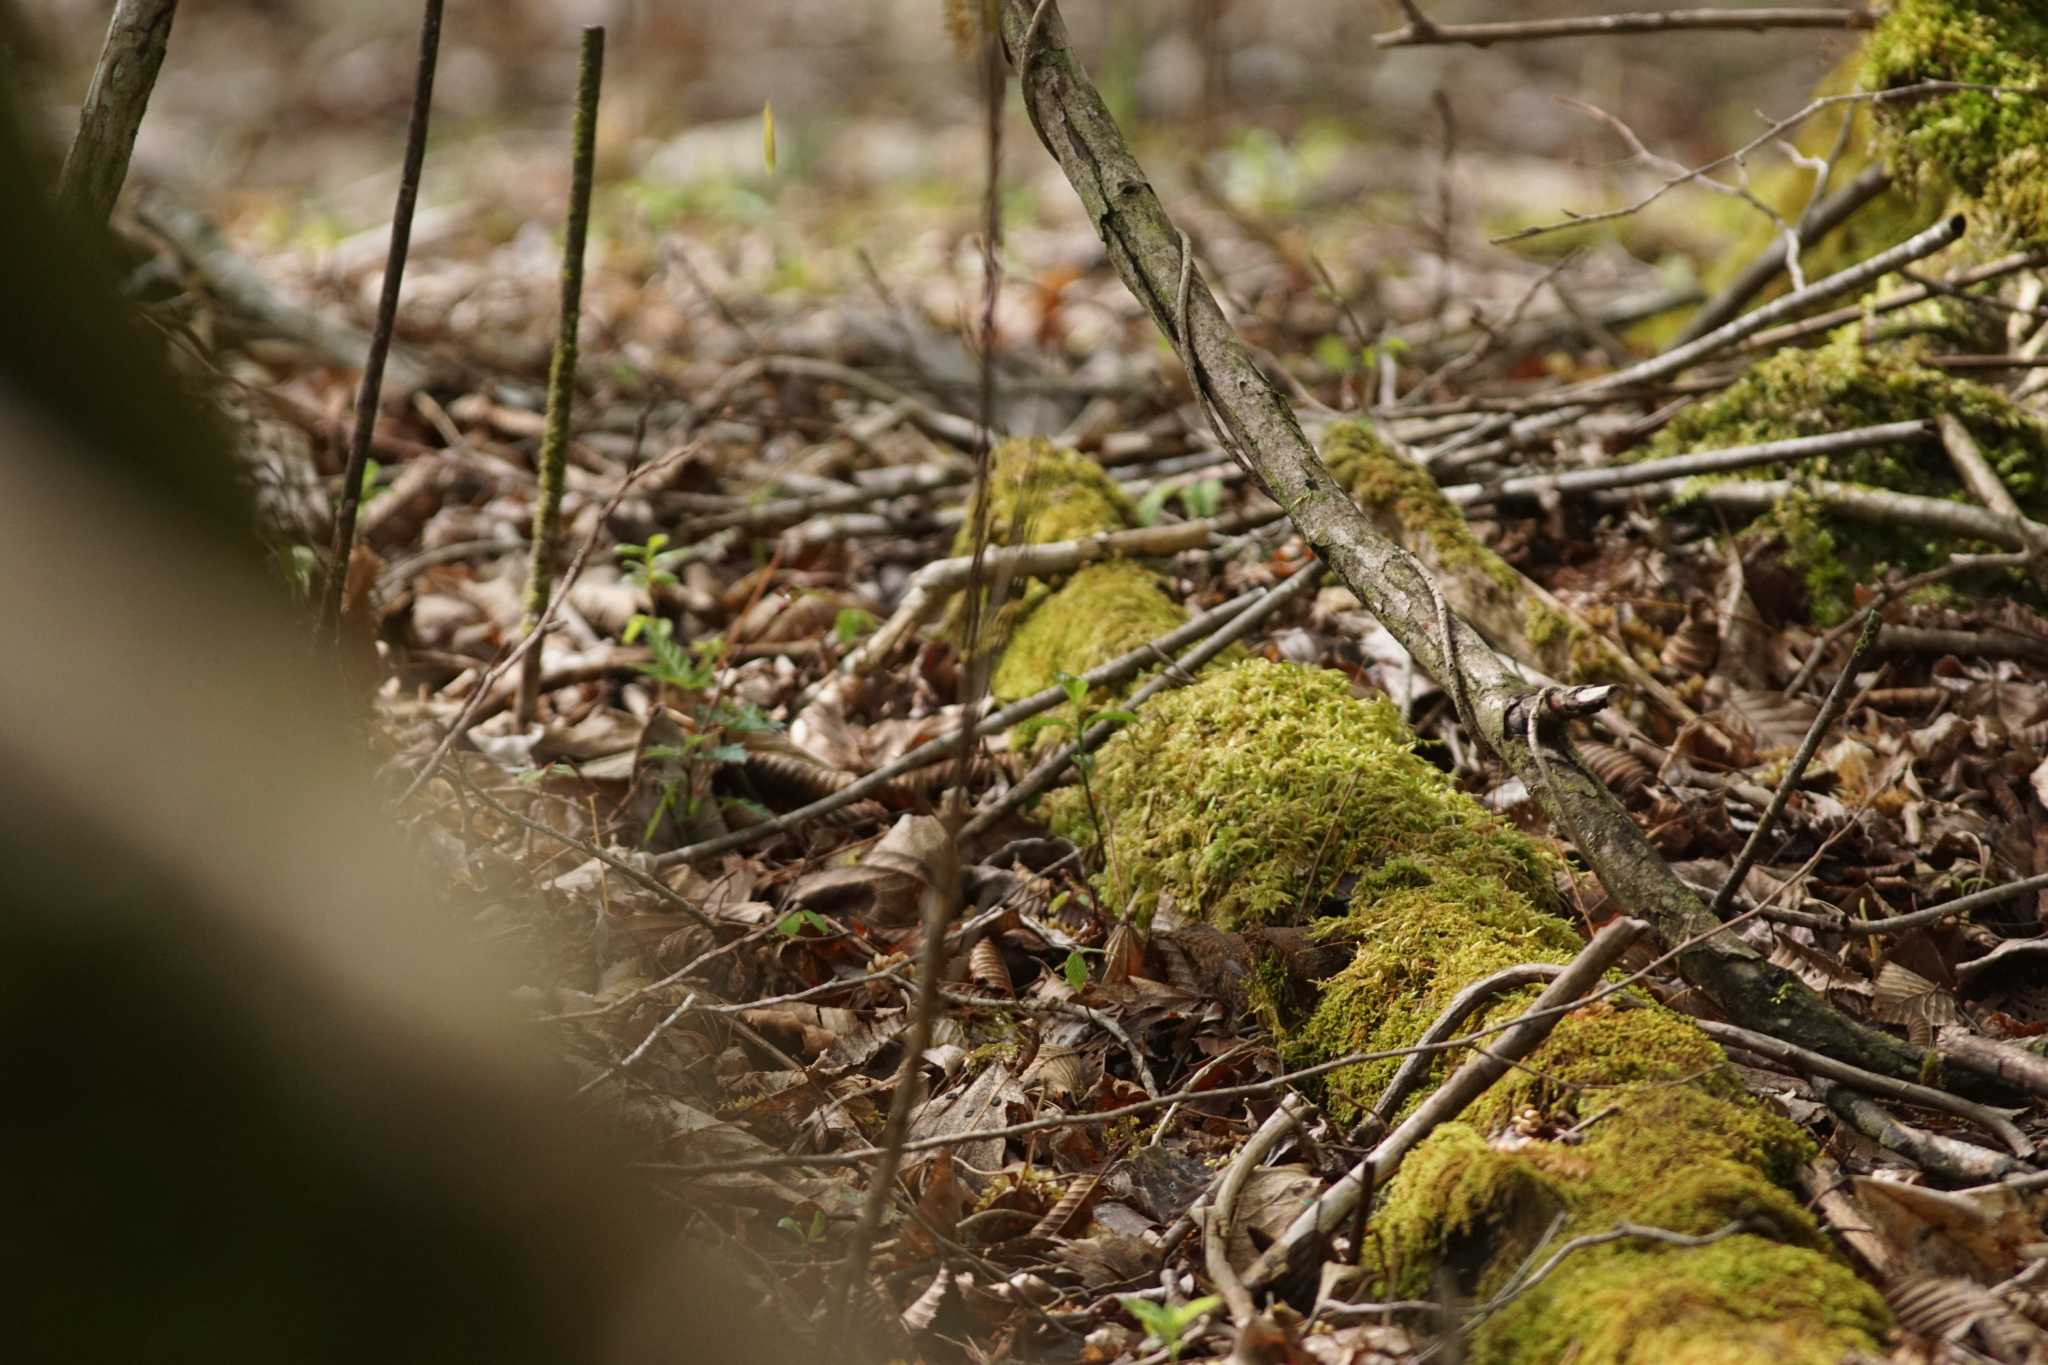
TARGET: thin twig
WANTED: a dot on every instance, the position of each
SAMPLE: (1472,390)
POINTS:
(371,390)
(1447,1022)
(1823,721)
(1618,25)
(552,460)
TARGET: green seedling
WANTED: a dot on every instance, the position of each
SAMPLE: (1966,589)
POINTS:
(1168,1323)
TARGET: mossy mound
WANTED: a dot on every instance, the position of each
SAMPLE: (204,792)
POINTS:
(1418,946)
(1992,149)
(1733,1302)
(1103,611)
(1039,493)
(1256,793)
(1266,793)
(1846,384)
(1666,1154)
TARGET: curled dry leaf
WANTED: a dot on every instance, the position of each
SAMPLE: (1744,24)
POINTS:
(883,890)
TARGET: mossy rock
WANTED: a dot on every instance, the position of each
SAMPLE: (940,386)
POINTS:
(1102,611)
(1846,384)
(1992,149)
(1256,793)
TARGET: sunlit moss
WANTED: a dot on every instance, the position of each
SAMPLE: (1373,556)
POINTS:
(1381,481)
(1103,611)
(1255,792)
(1267,793)
(1992,148)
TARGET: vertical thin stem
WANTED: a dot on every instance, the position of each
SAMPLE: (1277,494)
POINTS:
(554,441)
(1838,697)
(112,113)
(387,317)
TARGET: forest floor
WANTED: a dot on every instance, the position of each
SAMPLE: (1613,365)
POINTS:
(775,430)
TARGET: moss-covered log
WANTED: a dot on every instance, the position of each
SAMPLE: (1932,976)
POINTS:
(1270,794)
(1515,614)
(1847,384)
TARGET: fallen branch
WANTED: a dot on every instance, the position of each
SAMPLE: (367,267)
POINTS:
(1145,249)
(1878,506)
(1581,481)
(1618,25)
(1997,1122)
(254,302)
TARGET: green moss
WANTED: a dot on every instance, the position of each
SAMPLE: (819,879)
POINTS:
(1733,1302)
(1103,611)
(1039,493)
(1267,792)
(1402,492)
(1418,946)
(1458,1205)
(1992,149)
(1601,1047)
(1257,791)
(1667,1154)
(1842,385)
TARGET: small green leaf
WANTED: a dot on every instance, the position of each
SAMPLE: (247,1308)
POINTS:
(1076,969)
(851,624)
(1152,504)
(1334,353)
(1203,497)
(1115,717)
(1075,688)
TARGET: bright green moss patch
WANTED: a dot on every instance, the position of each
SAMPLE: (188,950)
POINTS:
(1844,385)
(1734,1302)
(1253,794)
(1665,1154)
(1991,148)
(1039,493)
(1103,611)
(1598,1048)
